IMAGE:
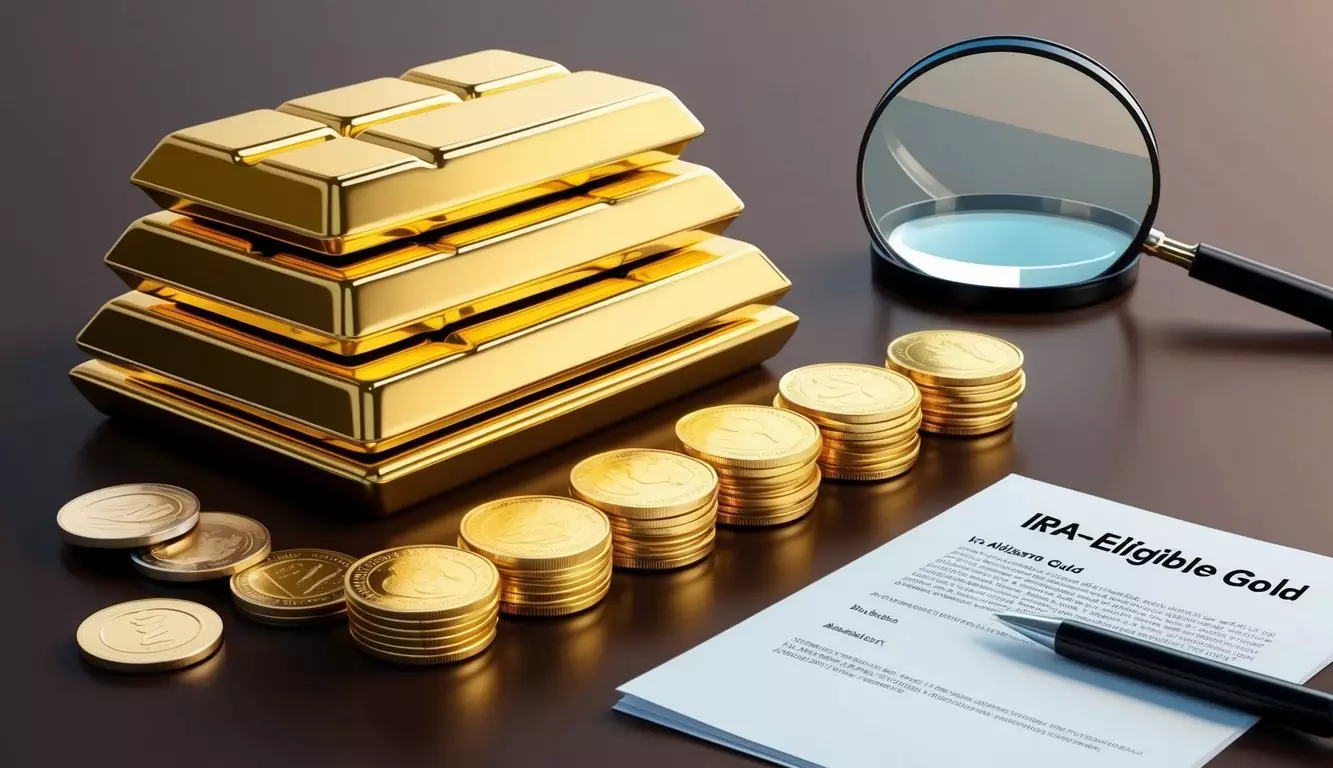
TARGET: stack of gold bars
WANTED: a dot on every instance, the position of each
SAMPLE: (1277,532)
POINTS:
(553,554)
(766,460)
(970,383)
(426,604)
(399,285)
(867,416)
(662,505)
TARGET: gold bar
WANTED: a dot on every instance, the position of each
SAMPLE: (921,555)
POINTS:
(389,399)
(353,108)
(399,291)
(484,73)
(298,180)
(458,456)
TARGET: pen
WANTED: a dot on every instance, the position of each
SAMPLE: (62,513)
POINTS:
(1278,701)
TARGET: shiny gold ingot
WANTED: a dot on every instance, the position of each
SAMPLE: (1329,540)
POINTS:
(151,635)
(410,392)
(127,516)
(219,546)
(452,457)
(348,169)
(954,358)
(748,436)
(642,483)
(294,584)
(485,72)
(393,293)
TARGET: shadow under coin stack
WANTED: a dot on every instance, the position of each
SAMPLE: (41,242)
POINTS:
(662,506)
(765,458)
(426,604)
(400,285)
(867,416)
(553,553)
(970,383)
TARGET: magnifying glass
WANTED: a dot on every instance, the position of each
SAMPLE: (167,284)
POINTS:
(1012,173)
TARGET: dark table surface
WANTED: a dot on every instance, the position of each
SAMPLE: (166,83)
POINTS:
(1178,398)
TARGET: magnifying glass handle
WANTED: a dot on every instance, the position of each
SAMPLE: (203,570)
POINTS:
(1293,294)
(1283,291)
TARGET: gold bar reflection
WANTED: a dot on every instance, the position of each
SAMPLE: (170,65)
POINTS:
(468,451)
(484,73)
(400,291)
(413,164)
(390,399)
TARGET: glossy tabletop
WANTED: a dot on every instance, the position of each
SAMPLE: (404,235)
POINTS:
(1177,398)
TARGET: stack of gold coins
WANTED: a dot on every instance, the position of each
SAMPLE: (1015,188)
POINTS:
(970,382)
(868,417)
(293,587)
(428,604)
(662,505)
(553,553)
(766,461)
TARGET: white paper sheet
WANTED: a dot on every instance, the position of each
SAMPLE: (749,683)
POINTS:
(897,660)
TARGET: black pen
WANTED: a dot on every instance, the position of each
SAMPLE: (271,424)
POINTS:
(1274,700)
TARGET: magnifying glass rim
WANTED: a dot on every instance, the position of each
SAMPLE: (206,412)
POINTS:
(1119,271)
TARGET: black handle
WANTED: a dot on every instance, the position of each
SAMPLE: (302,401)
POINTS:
(1280,290)
(1268,697)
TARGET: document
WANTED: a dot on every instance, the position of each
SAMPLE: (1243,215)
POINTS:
(897,659)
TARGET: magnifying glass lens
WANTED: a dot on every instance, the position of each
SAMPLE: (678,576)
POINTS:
(1007,169)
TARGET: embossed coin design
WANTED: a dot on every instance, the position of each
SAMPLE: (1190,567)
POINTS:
(849,392)
(150,635)
(425,582)
(954,357)
(293,583)
(128,516)
(535,532)
(221,545)
(643,483)
(748,436)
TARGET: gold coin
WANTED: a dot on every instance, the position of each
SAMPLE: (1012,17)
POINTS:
(954,358)
(220,545)
(466,652)
(848,393)
(150,635)
(734,475)
(671,545)
(874,464)
(392,625)
(748,436)
(536,532)
(555,609)
(767,488)
(303,620)
(665,526)
(902,441)
(438,641)
(763,506)
(856,475)
(900,429)
(1012,388)
(950,420)
(952,430)
(510,590)
(128,516)
(643,483)
(423,582)
(754,521)
(293,582)
(654,564)
(968,410)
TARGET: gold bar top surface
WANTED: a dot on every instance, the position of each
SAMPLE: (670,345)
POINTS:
(354,167)
(391,293)
(484,72)
(436,379)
